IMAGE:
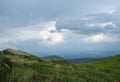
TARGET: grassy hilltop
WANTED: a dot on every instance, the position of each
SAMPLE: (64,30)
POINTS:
(21,68)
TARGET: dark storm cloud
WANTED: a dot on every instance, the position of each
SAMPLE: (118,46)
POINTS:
(106,23)
(15,13)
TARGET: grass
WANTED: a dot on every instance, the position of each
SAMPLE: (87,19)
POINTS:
(34,69)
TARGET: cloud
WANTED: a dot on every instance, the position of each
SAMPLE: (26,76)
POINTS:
(4,40)
(38,32)
(103,25)
(86,28)
(51,38)
(16,13)
(92,24)
(96,28)
(100,38)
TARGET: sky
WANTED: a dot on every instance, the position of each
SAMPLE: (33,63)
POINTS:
(69,28)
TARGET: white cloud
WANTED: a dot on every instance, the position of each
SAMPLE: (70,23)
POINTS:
(100,38)
(102,25)
(4,40)
(51,38)
(39,32)
(109,11)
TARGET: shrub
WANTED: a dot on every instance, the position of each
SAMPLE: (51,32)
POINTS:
(1,52)
(5,68)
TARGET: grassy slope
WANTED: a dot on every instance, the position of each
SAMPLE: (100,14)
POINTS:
(33,69)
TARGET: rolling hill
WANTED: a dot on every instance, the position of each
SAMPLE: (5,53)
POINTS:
(17,68)
(78,60)
(53,57)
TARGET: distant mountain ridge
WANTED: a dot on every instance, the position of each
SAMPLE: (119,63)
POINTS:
(86,60)
(53,57)
(78,60)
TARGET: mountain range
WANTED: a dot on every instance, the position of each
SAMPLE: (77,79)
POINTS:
(78,60)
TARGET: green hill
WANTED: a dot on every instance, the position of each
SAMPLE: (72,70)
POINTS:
(53,57)
(86,60)
(75,61)
(19,68)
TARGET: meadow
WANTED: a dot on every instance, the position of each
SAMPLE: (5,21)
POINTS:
(15,68)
